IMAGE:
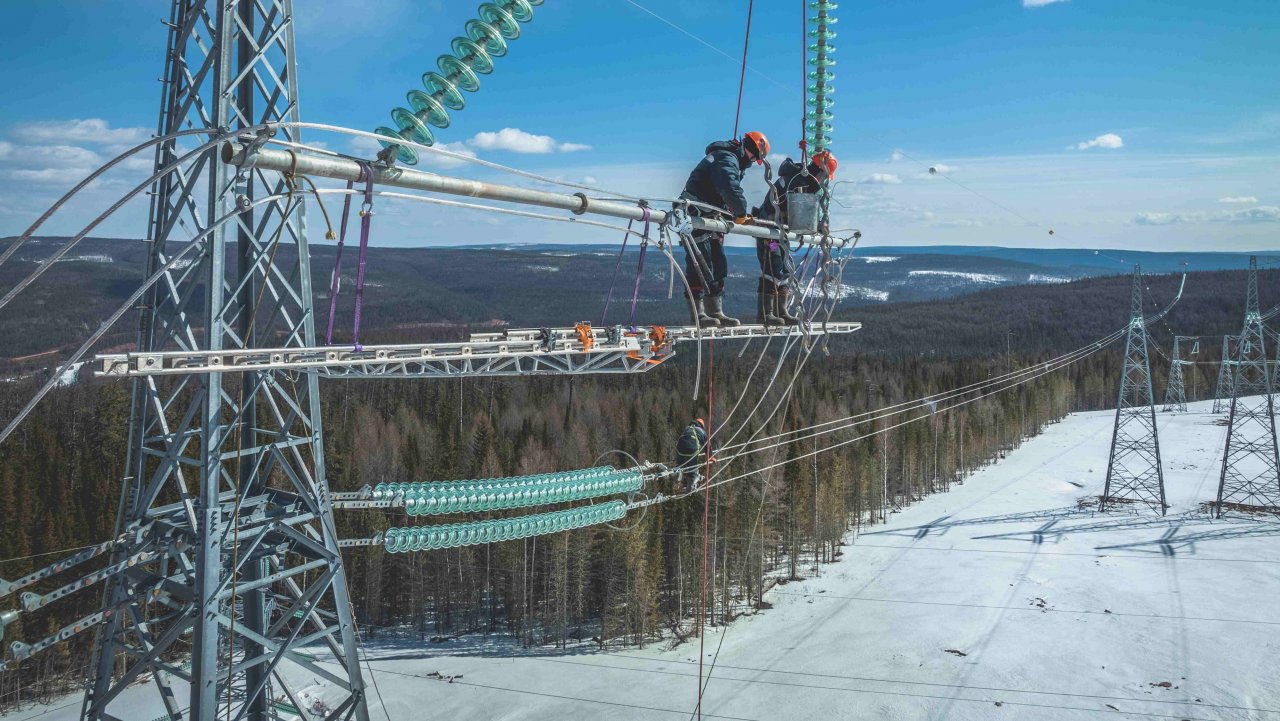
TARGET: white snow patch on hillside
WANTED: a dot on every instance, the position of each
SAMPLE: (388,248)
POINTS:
(851,291)
(1000,599)
(879,258)
(972,277)
(1038,278)
(543,268)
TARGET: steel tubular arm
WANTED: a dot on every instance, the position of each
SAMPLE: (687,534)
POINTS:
(349,169)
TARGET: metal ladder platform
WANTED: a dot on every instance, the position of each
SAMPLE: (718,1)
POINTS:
(533,351)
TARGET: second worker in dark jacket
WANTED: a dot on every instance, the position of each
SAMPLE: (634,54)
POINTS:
(717,181)
(774,255)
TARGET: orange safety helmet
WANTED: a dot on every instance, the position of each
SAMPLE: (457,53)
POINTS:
(825,160)
(700,422)
(759,143)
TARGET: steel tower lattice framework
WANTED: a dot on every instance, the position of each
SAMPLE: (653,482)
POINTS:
(1226,374)
(1175,392)
(1251,459)
(226,501)
(1134,471)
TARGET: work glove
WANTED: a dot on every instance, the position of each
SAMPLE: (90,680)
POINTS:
(745,220)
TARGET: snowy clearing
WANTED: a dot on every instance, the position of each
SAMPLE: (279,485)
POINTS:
(851,291)
(998,600)
(879,258)
(973,277)
(1038,278)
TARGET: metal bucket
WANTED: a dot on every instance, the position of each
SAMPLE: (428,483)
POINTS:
(802,212)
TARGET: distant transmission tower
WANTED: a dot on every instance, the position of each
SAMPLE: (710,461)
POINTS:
(1251,461)
(1175,393)
(233,559)
(1134,473)
(1226,374)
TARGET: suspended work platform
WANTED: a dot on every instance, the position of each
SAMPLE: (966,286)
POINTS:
(539,351)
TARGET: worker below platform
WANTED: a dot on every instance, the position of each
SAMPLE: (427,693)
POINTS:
(774,255)
(692,452)
(717,181)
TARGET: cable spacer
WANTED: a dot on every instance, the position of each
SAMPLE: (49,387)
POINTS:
(586,202)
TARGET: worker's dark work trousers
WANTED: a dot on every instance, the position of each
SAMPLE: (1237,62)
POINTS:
(775,264)
(710,246)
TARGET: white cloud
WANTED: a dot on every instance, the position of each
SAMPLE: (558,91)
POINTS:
(518,141)
(364,147)
(896,156)
(1229,199)
(49,176)
(5,149)
(881,179)
(59,156)
(90,130)
(443,161)
(1039,3)
(1259,214)
(1167,218)
(1106,140)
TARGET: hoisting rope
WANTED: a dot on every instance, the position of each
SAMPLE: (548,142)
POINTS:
(746,40)
(711,365)
(706,514)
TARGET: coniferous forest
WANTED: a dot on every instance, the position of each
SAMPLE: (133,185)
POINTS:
(640,582)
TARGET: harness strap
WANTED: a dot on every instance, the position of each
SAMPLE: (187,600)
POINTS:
(644,247)
(366,217)
(618,265)
(335,283)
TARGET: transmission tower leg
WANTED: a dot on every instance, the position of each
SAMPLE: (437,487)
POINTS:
(1175,393)
(226,471)
(1251,459)
(1134,472)
(1226,375)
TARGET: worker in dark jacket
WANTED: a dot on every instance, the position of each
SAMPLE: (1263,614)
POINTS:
(717,181)
(774,255)
(691,453)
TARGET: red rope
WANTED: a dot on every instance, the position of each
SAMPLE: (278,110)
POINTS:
(706,514)
(711,366)
(743,77)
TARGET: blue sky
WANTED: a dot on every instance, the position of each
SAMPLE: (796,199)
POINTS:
(1149,124)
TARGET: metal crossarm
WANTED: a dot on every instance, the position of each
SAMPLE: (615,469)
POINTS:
(515,352)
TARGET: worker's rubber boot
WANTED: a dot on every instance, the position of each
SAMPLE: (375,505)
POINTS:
(714,307)
(764,306)
(780,308)
(699,318)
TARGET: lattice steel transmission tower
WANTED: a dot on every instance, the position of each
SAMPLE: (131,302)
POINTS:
(1226,374)
(1175,392)
(1251,461)
(226,505)
(1134,472)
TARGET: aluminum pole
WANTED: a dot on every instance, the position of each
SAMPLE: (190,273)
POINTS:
(578,203)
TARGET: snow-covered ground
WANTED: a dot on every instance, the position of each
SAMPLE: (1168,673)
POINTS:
(850,291)
(998,600)
(971,277)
